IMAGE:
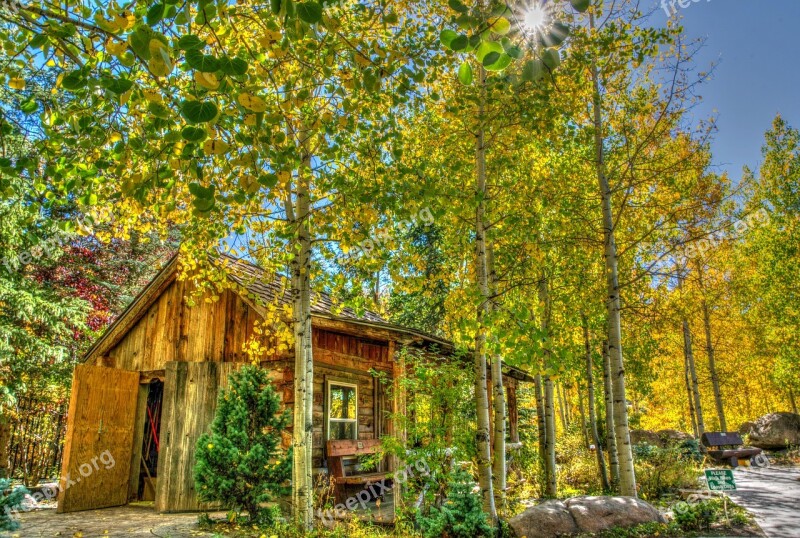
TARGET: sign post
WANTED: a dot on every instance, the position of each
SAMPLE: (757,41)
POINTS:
(721,480)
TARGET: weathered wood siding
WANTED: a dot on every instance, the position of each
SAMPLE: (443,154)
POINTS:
(99,439)
(190,401)
(171,330)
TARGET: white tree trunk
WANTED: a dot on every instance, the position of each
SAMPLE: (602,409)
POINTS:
(611,441)
(302,435)
(712,366)
(689,353)
(601,461)
(498,395)
(482,435)
(551,482)
(627,474)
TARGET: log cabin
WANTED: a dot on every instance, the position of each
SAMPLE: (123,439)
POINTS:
(147,388)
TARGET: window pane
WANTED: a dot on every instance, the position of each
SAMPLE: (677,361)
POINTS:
(342,430)
(343,402)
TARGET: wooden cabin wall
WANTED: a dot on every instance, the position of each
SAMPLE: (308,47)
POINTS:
(346,358)
(171,330)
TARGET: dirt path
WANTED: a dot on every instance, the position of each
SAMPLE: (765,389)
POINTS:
(122,521)
(773,496)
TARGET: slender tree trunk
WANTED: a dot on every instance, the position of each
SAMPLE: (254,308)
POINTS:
(482,435)
(5,442)
(303,425)
(561,405)
(551,488)
(498,395)
(627,474)
(689,353)
(792,401)
(582,413)
(712,366)
(541,427)
(611,440)
(598,449)
(690,397)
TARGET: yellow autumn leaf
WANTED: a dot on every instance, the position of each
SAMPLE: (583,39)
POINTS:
(117,48)
(206,80)
(17,83)
(124,19)
(152,95)
(215,147)
(250,119)
(252,102)
(159,67)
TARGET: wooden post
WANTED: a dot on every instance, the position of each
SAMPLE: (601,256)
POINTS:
(513,411)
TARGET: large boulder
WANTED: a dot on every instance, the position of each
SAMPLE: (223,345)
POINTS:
(776,431)
(595,514)
(673,437)
(583,515)
(547,520)
(639,437)
(747,428)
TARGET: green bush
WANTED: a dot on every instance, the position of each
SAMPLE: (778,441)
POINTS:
(664,470)
(240,463)
(699,516)
(10,503)
(461,515)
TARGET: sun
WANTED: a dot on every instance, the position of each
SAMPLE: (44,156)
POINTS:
(535,18)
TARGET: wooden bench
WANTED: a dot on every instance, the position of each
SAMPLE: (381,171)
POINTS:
(343,465)
(726,447)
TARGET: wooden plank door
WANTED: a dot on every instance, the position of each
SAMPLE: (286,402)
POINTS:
(99,439)
(190,400)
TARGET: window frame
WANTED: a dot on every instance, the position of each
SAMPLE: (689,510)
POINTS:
(336,382)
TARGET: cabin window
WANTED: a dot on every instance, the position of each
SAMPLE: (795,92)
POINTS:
(342,411)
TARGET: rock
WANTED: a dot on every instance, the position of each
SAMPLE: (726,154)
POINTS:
(776,431)
(582,515)
(673,437)
(547,520)
(595,514)
(639,437)
(746,428)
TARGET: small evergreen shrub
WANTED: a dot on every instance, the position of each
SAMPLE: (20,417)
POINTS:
(461,515)
(9,503)
(240,464)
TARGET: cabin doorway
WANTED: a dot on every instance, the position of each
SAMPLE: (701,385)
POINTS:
(143,484)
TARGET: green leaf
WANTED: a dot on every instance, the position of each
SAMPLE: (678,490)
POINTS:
(310,12)
(205,63)
(159,111)
(551,58)
(465,73)
(29,106)
(198,111)
(275,5)
(502,61)
(457,6)
(447,37)
(490,58)
(580,5)
(155,13)
(460,43)
(116,85)
(190,42)
(487,47)
(204,205)
(533,70)
(74,80)
(139,41)
(203,193)
(232,66)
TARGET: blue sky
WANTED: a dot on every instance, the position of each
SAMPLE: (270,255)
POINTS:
(756,44)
